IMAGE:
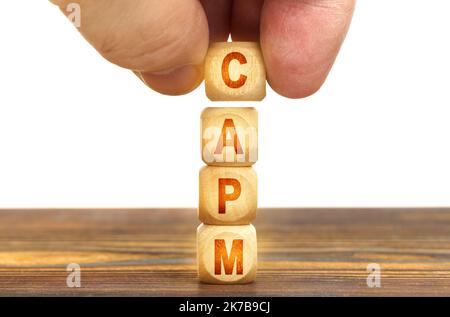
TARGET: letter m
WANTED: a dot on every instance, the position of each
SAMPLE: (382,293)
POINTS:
(236,256)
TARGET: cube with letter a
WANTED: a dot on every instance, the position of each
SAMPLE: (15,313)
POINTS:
(229,136)
(226,254)
(234,71)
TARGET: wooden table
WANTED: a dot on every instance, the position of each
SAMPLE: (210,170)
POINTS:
(152,252)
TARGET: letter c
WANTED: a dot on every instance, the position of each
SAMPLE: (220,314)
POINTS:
(226,70)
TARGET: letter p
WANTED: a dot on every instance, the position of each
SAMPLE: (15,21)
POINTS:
(223,196)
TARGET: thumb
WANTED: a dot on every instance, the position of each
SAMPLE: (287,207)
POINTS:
(300,41)
(163,42)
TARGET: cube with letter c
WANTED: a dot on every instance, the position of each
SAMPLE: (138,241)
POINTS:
(234,71)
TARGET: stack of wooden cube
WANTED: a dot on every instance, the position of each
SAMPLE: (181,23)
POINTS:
(226,239)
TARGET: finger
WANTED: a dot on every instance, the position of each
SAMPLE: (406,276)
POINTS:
(164,41)
(245,20)
(218,13)
(300,40)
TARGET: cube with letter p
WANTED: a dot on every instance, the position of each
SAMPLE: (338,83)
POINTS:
(227,195)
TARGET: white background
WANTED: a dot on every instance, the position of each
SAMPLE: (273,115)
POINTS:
(77,131)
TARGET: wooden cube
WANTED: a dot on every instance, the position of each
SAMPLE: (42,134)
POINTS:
(229,136)
(226,254)
(234,71)
(227,195)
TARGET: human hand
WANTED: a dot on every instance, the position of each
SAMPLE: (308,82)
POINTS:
(165,42)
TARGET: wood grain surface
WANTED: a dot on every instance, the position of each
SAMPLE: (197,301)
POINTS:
(151,252)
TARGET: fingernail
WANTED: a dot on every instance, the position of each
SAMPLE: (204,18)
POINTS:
(177,81)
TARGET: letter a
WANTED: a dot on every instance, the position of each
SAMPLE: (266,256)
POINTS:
(74,278)
(228,127)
